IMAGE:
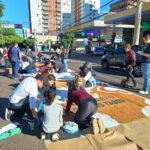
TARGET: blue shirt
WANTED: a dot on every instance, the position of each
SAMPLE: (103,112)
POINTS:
(15,54)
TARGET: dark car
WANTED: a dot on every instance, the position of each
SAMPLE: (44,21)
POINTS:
(99,50)
(116,58)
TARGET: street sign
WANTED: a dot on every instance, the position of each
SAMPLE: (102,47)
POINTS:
(18,26)
(8,26)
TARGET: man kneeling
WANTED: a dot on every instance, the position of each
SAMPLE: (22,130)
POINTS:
(24,98)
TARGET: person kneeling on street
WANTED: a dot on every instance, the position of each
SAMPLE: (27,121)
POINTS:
(87,105)
(24,98)
(52,117)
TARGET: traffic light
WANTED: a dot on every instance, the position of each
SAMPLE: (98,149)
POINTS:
(18,26)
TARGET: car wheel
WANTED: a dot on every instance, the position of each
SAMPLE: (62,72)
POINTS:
(105,65)
(137,71)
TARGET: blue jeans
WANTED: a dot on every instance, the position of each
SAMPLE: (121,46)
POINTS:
(6,63)
(15,68)
(65,63)
(146,75)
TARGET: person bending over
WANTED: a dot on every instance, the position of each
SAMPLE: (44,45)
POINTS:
(87,105)
(24,98)
(47,66)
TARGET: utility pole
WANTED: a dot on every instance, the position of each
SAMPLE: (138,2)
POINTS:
(137,28)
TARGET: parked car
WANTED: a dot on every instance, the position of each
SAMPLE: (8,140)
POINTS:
(116,58)
(99,50)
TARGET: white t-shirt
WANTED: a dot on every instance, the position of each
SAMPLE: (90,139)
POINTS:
(28,87)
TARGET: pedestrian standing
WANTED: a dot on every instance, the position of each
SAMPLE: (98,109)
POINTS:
(64,58)
(146,65)
(130,62)
(6,57)
(14,55)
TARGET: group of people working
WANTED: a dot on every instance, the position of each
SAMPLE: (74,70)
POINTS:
(25,99)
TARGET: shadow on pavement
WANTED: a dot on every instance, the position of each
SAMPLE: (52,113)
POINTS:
(4,74)
(13,85)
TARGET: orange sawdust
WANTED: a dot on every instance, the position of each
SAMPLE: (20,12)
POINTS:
(123,107)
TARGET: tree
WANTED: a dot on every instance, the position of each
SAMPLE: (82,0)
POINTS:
(1,9)
(9,36)
(67,40)
(29,43)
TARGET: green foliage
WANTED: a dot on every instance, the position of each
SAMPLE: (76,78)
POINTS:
(9,36)
(29,43)
(67,40)
(1,9)
(7,32)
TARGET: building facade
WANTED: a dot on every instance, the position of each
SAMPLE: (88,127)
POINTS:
(122,5)
(65,14)
(45,16)
(84,11)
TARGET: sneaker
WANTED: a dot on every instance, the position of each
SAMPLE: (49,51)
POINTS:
(55,137)
(95,126)
(42,136)
(143,92)
(8,114)
(101,126)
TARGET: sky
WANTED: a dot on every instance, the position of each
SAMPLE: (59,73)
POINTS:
(16,11)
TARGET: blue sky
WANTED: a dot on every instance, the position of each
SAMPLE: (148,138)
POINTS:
(16,11)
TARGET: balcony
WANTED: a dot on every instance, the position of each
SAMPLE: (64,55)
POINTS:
(45,5)
(45,8)
(44,0)
(45,17)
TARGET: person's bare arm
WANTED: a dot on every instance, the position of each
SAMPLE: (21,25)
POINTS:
(144,54)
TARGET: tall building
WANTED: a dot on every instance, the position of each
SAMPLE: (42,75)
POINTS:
(35,13)
(66,14)
(84,11)
(45,16)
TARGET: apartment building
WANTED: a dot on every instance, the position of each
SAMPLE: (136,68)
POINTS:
(45,16)
(84,11)
(65,14)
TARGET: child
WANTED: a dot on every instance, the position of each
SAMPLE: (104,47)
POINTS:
(52,117)
(87,72)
